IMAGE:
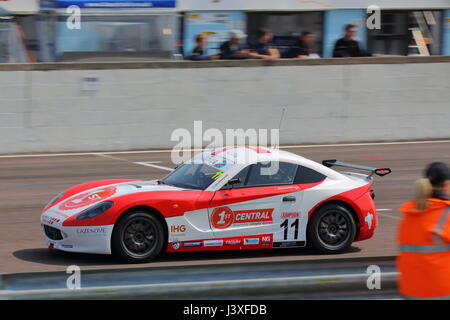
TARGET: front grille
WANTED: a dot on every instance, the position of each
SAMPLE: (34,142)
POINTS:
(52,233)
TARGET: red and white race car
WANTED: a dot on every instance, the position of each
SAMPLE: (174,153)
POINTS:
(222,199)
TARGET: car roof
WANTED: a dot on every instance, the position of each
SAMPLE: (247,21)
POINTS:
(233,159)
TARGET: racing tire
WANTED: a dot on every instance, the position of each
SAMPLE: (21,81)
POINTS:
(331,229)
(137,237)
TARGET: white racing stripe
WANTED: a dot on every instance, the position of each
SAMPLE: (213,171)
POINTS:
(187,150)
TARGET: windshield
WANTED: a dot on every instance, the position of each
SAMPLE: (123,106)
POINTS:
(192,176)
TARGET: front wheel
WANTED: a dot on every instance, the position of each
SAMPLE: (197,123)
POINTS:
(331,229)
(137,237)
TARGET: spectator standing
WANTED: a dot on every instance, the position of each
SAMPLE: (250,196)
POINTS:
(234,48)
(424,238)
(199,52)
(262,47)
(348,46)
(302,48)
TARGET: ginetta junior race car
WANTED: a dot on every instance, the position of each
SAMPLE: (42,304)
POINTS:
(222,199)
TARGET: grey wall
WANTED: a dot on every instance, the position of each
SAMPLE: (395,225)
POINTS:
(139,108)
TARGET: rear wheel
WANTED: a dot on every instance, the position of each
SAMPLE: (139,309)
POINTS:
(331,229)
(137,237)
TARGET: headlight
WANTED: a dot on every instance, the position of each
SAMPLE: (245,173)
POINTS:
(95,211)
(59,196)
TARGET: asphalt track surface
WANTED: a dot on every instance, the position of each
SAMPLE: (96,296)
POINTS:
(28,183)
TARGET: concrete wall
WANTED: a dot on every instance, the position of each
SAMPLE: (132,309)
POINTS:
(135,108)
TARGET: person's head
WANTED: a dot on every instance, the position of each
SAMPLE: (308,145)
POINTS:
(439,175)
(200,40)
(307,37)
(437,179)
(265,35)
(236,36)
(350,31)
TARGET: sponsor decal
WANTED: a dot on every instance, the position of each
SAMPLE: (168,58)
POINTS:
(369,219)
(219,162)
(224,217)
(289,215)
(287,244)
(233,242)
(266,240)
(50,220)
(91,231)
(250,216)
(67,246)
(61,214)
(220,165)
(176,245)
(178,229)
(192,243)
(217,175)
(213,243)
(87,198)
(251,241)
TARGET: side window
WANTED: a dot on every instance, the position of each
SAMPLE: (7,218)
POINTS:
(242,175)
(307,175)
(271,173)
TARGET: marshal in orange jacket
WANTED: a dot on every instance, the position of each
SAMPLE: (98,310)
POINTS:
(424,246)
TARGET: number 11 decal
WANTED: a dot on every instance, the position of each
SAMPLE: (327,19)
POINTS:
(285,225)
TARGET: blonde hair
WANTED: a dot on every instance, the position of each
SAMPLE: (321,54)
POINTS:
(422,191)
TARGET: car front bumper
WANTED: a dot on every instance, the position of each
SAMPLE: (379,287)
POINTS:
(93,239)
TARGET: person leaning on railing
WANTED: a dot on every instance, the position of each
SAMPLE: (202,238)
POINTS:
(348,45)
(200,51)
(234,48)
(262,48)
(302,48)
(424,238)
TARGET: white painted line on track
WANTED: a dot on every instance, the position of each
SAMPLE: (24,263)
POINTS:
(363,144)
(151,164)
(389,216)
(193,150)
(147,164)
(110,157)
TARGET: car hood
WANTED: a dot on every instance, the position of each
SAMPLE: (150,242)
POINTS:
(89,197)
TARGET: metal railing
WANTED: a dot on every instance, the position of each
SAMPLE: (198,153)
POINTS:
(333,278)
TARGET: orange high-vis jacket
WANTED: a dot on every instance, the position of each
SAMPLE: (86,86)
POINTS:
(424,250)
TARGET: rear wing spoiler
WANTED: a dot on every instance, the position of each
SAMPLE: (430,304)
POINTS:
(378,171)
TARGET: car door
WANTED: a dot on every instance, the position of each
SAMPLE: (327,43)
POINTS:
(255,206)
(293,221)
(288,224)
